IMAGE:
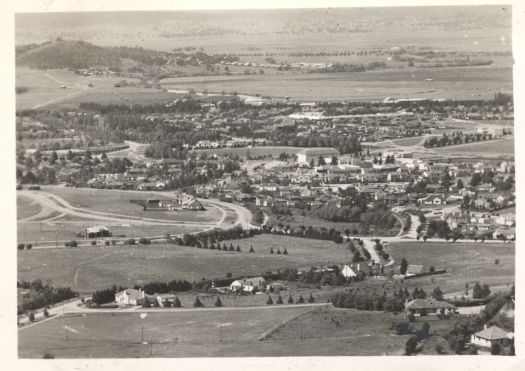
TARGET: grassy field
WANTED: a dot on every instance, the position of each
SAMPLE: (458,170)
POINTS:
(406,142)
(274,151)
(183,334)
(126,265)
(465,262)
(25,207)
(97,200)
(450,83)
(504,147)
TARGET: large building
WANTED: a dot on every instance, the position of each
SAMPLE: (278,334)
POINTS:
(306,155)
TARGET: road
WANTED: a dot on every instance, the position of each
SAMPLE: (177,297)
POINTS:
(82,88)
(53,205)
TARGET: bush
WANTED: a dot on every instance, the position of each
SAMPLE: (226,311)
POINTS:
(93,243)
(113,242)
(131,241)
(472,350)
(46,313)
(197,303)
(218,302)
(279,300)
(29,246)
(251,249)
(144,241)
(31,316)
(74,243)
(439,348)
(290,299)
(106,243)
(20,246)
(271,250)
(285,252)
(300,300)
(48,355)
(311,299)
(269,301)
(176,302)
(495,349)
(410,345)
(238,249)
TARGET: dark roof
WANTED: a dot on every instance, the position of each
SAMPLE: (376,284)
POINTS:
(492,333)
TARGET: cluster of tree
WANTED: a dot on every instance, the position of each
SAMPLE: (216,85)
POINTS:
(104,296)
(349,67)
(367,300)
(41,295)
(257,214)
(186,105)
(454,138)
(344,144)
(480,291)
(300,300)
(210,238)
(320,233)
(158,287)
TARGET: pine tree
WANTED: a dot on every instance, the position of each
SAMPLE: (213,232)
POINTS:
(300,300)
(279,299)
(278,251)
(271,250)
(404,266)
(238,249)
(269,301)
(197,303)
(285,252)
(218,302)
(224,247)
(251,249)
(290,299)
(231,248)
(311,299)
(176,302)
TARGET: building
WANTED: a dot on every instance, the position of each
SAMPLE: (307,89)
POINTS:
(424,307)
(489,336)
(414,269)
(247,284)
(306,155)
(130,297)
(97,231)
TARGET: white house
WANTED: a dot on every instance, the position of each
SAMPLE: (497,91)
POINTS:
(307,154)
(488,336)
(130,297)
(247,284)
(347,272)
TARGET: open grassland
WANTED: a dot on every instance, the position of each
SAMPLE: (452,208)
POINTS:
(118,202)
(25,207)
(492,147)
(449,83)
(184,334)
(364,332)
(253,152)
(407,142)
(103,266)
(465,262)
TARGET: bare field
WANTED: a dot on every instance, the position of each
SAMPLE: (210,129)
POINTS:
(465,262)
(183,334)
(126,265)
(450,83)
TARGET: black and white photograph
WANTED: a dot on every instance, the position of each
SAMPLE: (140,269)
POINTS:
(299,181)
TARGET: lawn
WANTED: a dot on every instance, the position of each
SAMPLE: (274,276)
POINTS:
(103,266)
(406,142)
(25,207)
(254,152)
(183,334)
(465,262)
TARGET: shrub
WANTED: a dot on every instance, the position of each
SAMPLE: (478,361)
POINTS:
(144,241)
(73,243)
(113,242)
(93,243)
(472,350)
(251,249)
(278,251)
(106,243)
(271,250)
(285,252)
(46,313)
(439,348)
(290,299)
(410,345)
(131,241)
(176,302)
(20,246)
(311,299)
(238,249)
(218,302)
(48,355)
(29,246)
(31,316)
(197,303)
(279,300)
(269,301)
(300,300)
(495,349)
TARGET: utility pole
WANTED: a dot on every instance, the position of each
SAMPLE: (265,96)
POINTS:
(220,333)
(142,333)
(67,330)
(151,347)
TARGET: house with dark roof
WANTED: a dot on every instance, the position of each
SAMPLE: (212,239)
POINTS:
(489,336)
(428,306)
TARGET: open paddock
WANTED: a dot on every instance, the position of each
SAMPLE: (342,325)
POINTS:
(174,334)
(103,266)
(492,147)
(465,262)
(25,207)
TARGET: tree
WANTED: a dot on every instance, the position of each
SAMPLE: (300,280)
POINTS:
(251,249)
(472,350)
(290,299)
(176,302)
(334,160)
(218,302)
(197,303)
(404,266)
(238,249)
(46,313)
(31,317)
(20,246)
(279,299)
(300,300)
(321,161)
(271,250)
(495,349)
(477,292)
(437,294)
(410,345)
(269,301)
(285,252)
(311,299)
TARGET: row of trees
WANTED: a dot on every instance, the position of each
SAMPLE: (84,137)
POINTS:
(41,295)
(455,138)
(210,238)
